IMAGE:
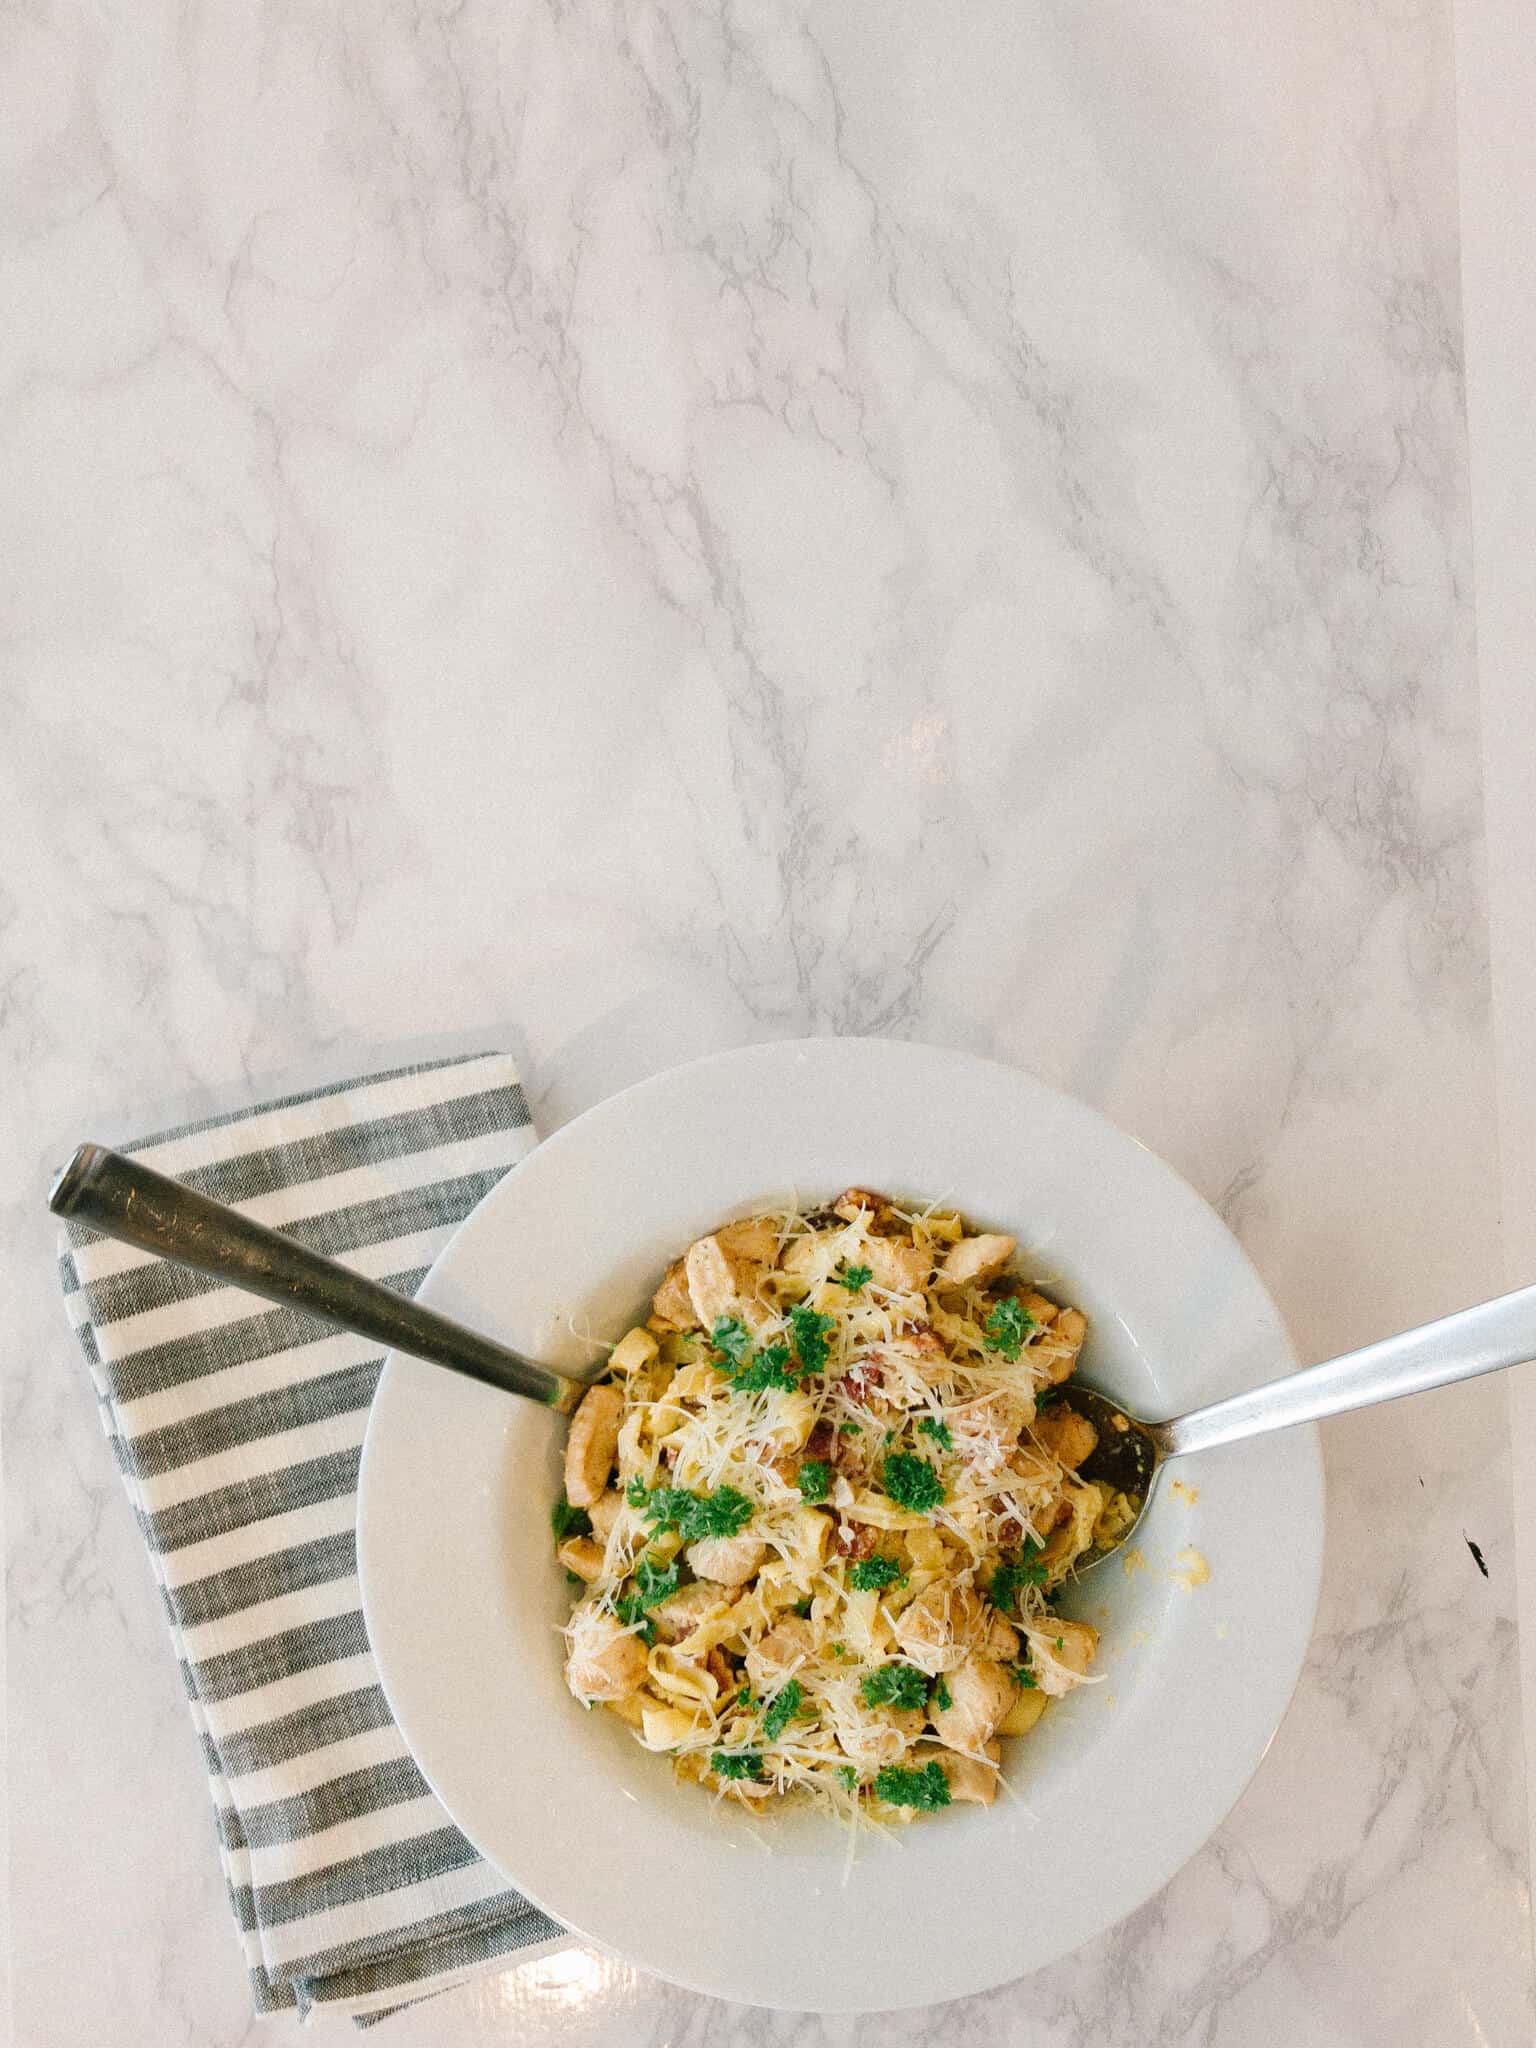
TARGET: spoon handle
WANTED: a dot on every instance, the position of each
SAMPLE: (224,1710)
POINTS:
(117,1196)
(1458,1347)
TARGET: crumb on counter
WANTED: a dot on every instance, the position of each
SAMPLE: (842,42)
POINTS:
(1182,1490)
(1193,1570)
(1133,1560)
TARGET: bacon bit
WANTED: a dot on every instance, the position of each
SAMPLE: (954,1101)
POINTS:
(855,1539)
(863,1380)
(821,1444)
(920,1336)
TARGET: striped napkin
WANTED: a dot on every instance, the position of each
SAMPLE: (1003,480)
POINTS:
(238,1429)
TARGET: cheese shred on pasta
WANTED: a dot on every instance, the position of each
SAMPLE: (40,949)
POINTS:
(821,1509)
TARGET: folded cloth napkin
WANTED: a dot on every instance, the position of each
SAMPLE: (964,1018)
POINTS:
(238,1429)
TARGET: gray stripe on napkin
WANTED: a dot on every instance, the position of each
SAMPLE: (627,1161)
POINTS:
(254,1500)
(348,1798)
(244,1422)
(248,1178)
(267,1744)
(273,1657)
(293,1570)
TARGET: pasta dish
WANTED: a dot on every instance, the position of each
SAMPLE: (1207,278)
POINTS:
(821,1510)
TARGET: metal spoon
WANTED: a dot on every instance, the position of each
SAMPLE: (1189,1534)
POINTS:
(1131,1452)
(121,1198)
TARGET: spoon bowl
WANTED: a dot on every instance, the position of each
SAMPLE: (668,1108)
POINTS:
(1126,1459)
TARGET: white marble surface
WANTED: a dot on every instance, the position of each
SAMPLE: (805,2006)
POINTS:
(634,527)
(1496,88)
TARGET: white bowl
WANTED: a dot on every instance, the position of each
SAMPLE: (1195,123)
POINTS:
(1120,1784)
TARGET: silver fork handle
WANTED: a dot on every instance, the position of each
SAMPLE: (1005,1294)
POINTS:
(124,1199)
(1459,1347)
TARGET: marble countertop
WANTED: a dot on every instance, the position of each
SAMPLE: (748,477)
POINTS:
(629,529)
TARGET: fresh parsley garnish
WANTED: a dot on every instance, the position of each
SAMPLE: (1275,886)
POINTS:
(770,1368)
(1025,1676)
(782,1709)
(943,1699)
(737,1763)
(894,1685)
(848,1775)
(731,1338)
(810,1332)
(911,1482)
(930,1425)
(1010,1577)
(568,1521)
(1008,1326)
(695,1516)
(850,1429)
(746,1698)
(653,1584)
(802,1608)
(871,1574)
(814,1480)
(854,1277)
(749,1372)
(927,1789)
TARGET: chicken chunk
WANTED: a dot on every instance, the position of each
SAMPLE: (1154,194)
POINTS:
(972,1780)
(755,1239)
(980,1692)
(975,1259)
(672,1304)
(1066,1435)
(897,1264)
(878,1738)
(1067,1649)
(604,1512)
(721,1283)
(1000,1639)
(787,1644)
(605,1661)
(803,1256)
(579,1554)
(677,1618)
(592,1444)
(1058,1352)
(999,1416)
(726,1560)
(937,1629)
